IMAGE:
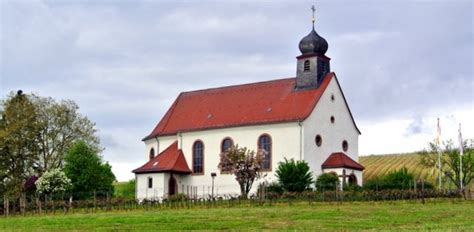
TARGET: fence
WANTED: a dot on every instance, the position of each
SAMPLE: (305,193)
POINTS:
(103,201)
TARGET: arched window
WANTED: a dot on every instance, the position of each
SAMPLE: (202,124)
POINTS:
(152,153)
(307,66)
(198,157)
(332,119)
(226,144)
(150,182)
(265,143)
(345,145)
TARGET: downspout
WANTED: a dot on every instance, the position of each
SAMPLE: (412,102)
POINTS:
(180,140)
(157,145)
(301,139)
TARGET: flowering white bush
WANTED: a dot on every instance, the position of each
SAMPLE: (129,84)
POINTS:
(53,181)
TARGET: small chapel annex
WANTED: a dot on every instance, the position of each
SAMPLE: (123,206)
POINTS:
(304,117)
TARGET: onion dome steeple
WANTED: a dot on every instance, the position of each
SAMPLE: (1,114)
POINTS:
(313,43)
(312,65)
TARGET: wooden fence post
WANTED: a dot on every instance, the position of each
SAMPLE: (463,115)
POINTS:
(6,204)
(95,203)
(70,202)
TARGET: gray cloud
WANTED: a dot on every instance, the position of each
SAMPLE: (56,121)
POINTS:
(125,62)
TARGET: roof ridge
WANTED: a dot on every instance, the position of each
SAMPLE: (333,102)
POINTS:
(236,85)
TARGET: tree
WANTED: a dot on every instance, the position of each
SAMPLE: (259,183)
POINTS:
(61,125)
(87,171)
(19,129)
(52,182)
(450,161)
(245,164)
(327,181)
(294,176)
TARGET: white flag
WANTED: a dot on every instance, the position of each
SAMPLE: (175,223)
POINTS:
(438,133)
(461,148)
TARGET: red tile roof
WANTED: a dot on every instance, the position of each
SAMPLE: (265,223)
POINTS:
(249,104)
(341,160)
(170,160)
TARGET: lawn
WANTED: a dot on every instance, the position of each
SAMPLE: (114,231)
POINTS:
(444,215)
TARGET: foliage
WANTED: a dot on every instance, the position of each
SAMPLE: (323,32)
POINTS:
(450,158)
(178,197)
(245,164)
(61,125)
(274,187)
(327,181)
(19,129)
(53,181)
(125,189)
(87,171)
(294,176)
(399,179)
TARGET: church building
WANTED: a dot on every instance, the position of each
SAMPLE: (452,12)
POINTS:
(303,118)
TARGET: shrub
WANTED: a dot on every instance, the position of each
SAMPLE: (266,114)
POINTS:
(400,179)
(327,181)
(294,176)
(275,188)
(53,181)
(178,197)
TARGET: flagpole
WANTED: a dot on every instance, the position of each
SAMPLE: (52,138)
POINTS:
(461,153)
(439,154)
(439,168)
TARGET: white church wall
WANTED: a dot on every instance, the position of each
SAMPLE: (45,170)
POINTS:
(158,189)
(285,143)
(159,145)
(332,134)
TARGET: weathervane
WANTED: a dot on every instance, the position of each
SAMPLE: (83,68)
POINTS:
(313,9)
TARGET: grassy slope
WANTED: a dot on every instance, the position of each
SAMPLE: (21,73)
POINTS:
(378,165)
(124,190)
(351,216)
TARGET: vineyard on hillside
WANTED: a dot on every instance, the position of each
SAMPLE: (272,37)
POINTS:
(379,165)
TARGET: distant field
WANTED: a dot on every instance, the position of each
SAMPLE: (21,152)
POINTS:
(125,190)
(397,216)
(378,165)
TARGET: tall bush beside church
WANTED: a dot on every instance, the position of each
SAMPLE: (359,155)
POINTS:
(88,173)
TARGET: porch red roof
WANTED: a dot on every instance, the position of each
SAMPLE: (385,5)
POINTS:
(341,160)
(170,160)
(249,104)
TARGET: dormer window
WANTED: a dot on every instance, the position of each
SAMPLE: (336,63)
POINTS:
(306,66)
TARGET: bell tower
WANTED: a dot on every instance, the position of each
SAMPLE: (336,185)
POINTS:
(312,65)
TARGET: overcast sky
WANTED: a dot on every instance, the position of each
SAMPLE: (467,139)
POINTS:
(401,64)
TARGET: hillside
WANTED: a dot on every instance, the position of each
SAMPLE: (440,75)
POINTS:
(378,165)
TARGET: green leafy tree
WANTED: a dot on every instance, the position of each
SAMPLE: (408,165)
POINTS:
(327,181)
(450,161)
(245,164)
(52,182)
(294,176)
(19,129)
(61,125)
(87,171)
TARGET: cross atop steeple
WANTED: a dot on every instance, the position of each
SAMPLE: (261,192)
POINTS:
(313,9)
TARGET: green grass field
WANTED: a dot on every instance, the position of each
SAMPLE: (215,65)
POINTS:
(124,189)
(441,215)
